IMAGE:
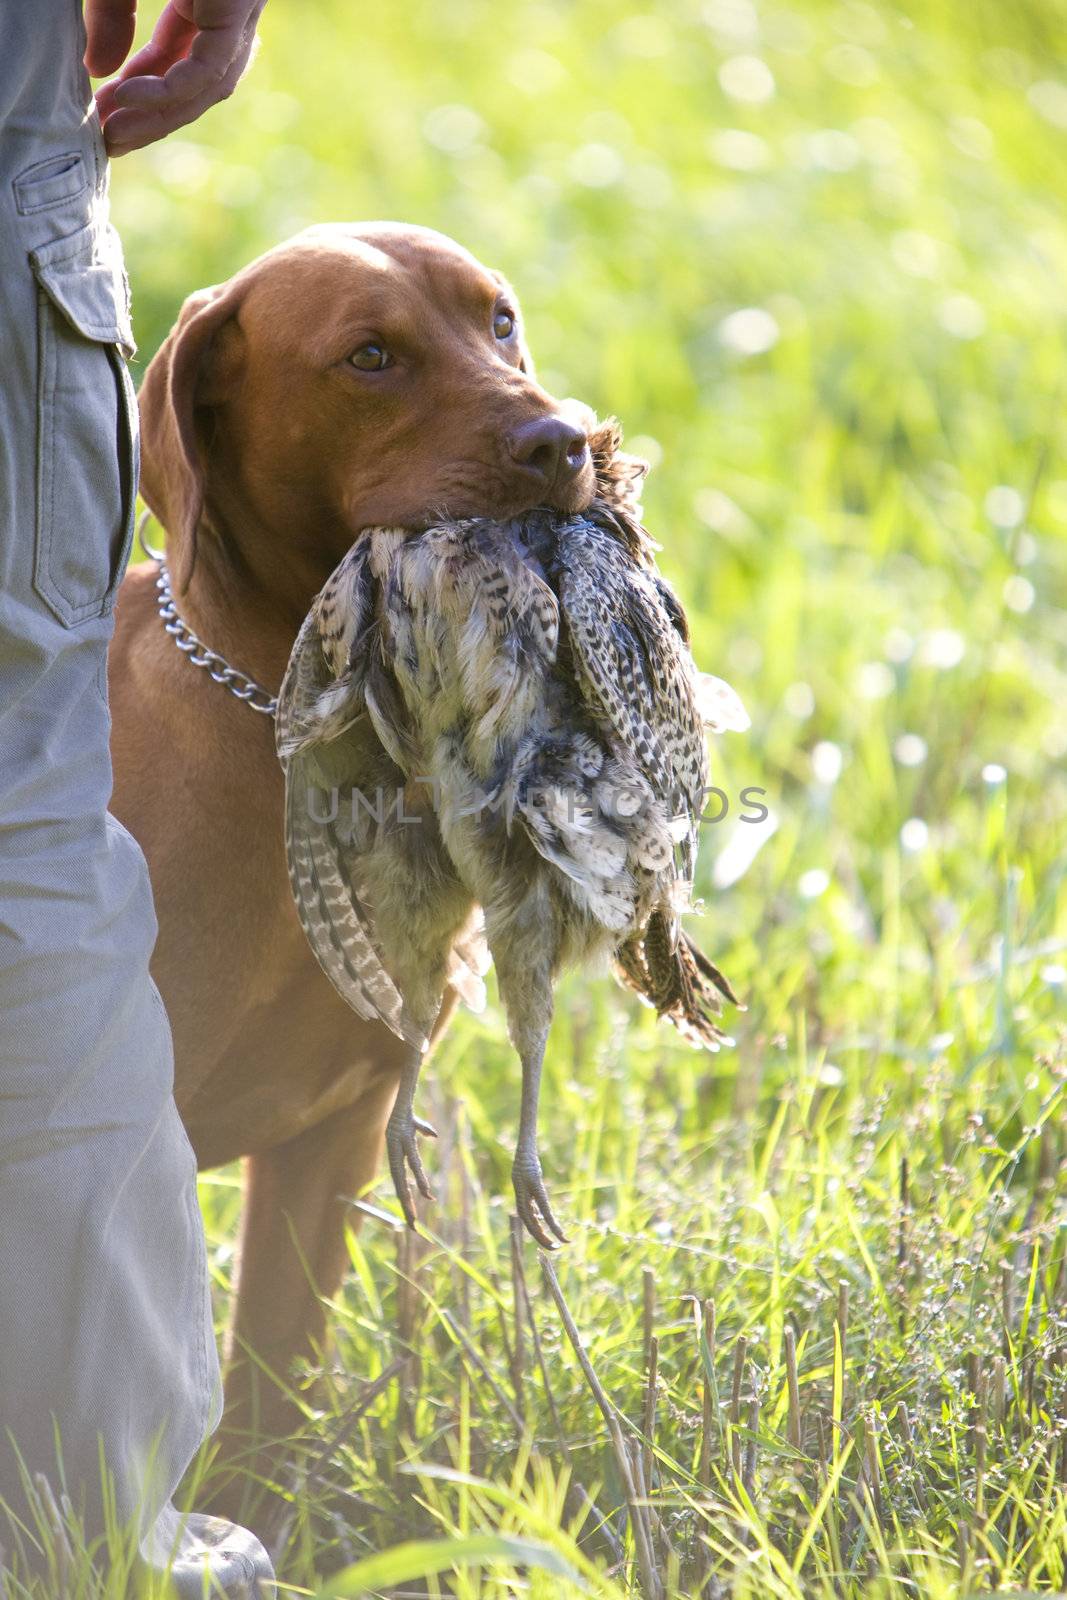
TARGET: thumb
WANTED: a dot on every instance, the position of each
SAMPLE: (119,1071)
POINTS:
(109,27)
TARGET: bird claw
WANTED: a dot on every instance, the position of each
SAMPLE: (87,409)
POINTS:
(403,1152)
(532,1204)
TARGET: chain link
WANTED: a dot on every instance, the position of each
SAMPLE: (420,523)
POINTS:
(200,655)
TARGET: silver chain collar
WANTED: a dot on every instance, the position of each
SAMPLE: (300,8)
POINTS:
(196,652)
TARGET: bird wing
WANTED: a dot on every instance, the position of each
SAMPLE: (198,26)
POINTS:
(322,697)
(633,667)
(324,688)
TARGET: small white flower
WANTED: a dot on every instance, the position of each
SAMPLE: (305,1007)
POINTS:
(910,750)
(942,647)
(748,79)
(898,646)
(993,774)
(1004,506)
(874,680)
(826,762)
(833,150)
(1019,594)
(961,316)
(749,332)
(735,20)
(813,883)
(914,835)
(799,701)
(739,150)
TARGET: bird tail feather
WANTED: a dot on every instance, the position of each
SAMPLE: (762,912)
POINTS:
(675,977)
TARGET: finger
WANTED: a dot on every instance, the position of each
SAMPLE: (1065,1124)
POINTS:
(126,130)
(171,40)
(207,63)
(109,29)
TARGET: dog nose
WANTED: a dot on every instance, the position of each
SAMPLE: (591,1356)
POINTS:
(551,447)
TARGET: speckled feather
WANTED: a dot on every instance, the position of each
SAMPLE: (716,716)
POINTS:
(333,917)
(537,668)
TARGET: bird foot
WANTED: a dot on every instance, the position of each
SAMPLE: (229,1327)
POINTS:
(403,1151)
(532,1203)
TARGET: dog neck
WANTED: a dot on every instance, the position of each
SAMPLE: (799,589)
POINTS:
(249,607)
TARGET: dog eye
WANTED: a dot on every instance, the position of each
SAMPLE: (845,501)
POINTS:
(503,324)
(371,358)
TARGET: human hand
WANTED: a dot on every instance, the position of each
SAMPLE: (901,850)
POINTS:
(197,52)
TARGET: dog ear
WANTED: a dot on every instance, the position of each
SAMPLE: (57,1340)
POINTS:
(191,370)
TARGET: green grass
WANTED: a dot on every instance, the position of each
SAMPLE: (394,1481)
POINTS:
(867,518)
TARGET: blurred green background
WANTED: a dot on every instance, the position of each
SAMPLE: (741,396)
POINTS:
(814,255)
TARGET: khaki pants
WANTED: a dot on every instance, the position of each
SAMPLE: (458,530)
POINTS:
(105,1324)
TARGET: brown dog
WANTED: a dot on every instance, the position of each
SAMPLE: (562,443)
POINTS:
(352,377)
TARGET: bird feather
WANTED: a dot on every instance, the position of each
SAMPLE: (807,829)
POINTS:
(544,659)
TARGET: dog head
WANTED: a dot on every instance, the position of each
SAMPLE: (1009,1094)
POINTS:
(357,376)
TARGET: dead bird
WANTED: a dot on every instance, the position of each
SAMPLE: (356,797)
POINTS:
(493,734)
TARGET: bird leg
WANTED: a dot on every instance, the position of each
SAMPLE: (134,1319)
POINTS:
(400,1138)
(524,942)
(524,974)
(531,1198)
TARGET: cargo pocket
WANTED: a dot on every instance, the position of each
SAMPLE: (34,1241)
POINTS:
(56,181)
(87,442)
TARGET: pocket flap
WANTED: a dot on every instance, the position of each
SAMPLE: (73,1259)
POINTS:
(83,276)
(49,183)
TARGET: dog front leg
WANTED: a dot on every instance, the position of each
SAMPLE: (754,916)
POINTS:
(297,1203)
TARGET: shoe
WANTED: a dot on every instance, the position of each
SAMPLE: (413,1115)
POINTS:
(214,1558)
